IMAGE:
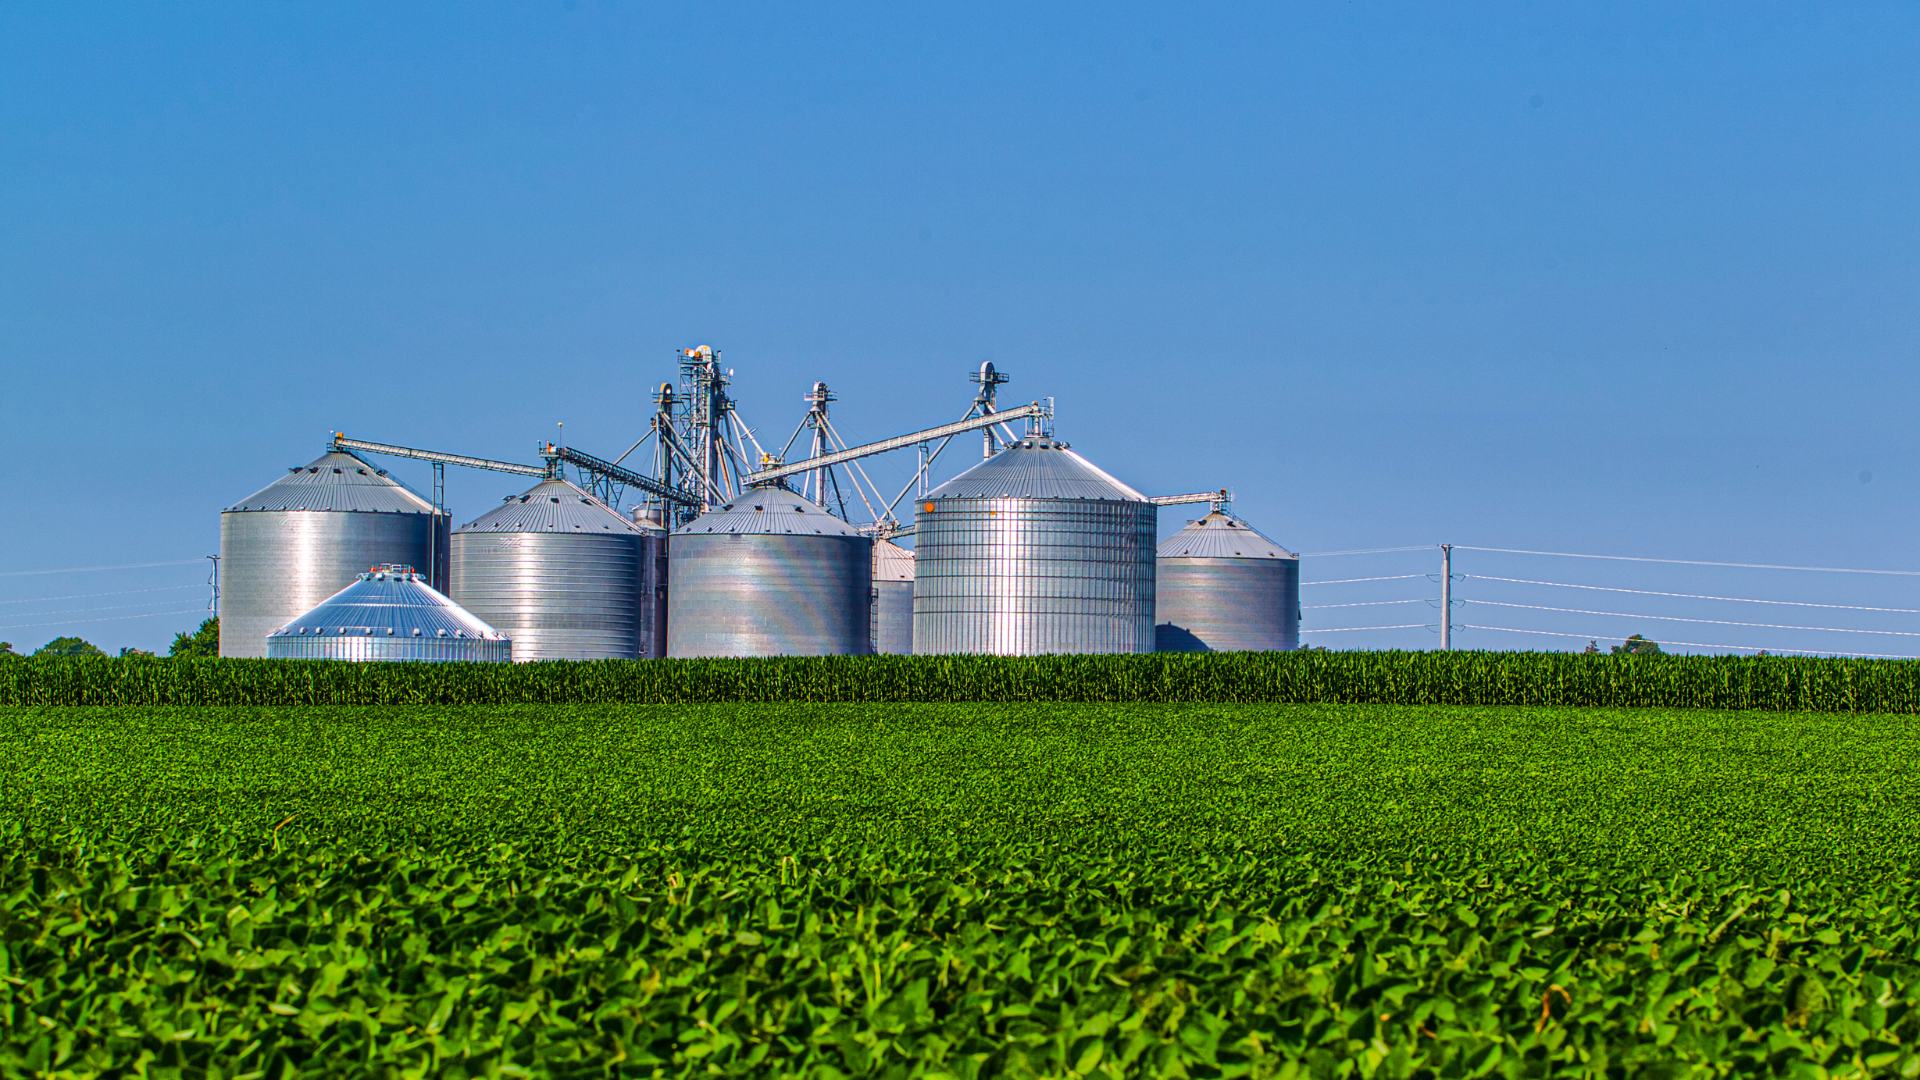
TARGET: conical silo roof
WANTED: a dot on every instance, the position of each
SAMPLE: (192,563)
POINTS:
(336,480)
(1220,535)
(390,601)
(891,562)
(768,511)
(1036,467)
(554,506)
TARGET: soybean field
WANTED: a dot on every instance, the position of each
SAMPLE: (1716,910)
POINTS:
(963,889)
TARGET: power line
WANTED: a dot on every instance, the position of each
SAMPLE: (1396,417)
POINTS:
(1688,644)
(95,595)
(1694,596)
(1691,562)
(1680,618)
(1365,551)
(1351,629)
(86,610)
(104,618)
(1364,603)
(94,569)
(1351,580)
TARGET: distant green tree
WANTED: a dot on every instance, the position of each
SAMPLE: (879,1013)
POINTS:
(128,650)
(202,642)
(1637,646)
(69,646)
(1592,649)
(6,651)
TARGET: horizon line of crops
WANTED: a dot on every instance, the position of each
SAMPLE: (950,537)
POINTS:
(1307,677)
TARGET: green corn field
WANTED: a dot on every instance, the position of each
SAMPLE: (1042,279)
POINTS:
(1379,678)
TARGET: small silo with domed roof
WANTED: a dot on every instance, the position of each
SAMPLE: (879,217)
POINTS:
(1225,587)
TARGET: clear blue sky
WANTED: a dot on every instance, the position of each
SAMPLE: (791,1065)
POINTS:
(1632,278)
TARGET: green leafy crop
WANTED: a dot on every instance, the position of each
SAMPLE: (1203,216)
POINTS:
(1311,676)
(967,890)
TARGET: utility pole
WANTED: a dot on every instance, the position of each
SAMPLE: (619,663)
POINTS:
(1446,596)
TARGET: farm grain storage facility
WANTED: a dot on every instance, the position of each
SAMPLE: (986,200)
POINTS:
(1034,550)
(769,574)
(563,574)
(389,613)
(307,535)
(1225,587)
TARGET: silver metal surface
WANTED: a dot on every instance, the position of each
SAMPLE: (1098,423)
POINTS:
(389,613)
(1217,498)
(341,442)
(1034,550)
(892,598)
(307,535)
(899,442)
(769,574)
(563,574)
(1224,587)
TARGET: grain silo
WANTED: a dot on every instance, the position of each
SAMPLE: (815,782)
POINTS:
(769,574)
(307,535)
(561,573)
(892,598)
(1224,587)
(653,521)
(1034,550)
(388,613)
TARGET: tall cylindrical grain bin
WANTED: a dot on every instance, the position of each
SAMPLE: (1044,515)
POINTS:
(1224,587)
(1034,550)
(769,574)
(311,533)
(892,598)
(562,574)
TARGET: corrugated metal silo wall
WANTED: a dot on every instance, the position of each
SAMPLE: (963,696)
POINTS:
(1025,577)
(365,648)
(559,596)
(1228,605)
(760,594)
(653,593)
(893,617)
(278,564)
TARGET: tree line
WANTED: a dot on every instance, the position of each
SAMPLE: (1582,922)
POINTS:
(202,641)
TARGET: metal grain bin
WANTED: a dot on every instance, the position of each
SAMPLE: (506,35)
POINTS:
(1226,588)
(892,598)
(769,574)
(561,573)
(1034,550)
(389,613)
(307,535)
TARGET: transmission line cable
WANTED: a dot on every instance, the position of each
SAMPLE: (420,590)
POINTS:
(94,569)
(1695,596)
(1351,629)
(1681,618)
(1364,551)
(1363,603)
(94,595)
(1351,580)
(1688,644)
(88,610)
(105,618)
(1690,562)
